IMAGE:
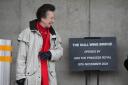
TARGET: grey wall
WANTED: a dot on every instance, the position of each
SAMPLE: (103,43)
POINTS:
(107,18)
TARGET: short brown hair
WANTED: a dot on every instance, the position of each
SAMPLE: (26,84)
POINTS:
(42,10)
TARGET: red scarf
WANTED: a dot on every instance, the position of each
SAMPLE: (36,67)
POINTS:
(45,47)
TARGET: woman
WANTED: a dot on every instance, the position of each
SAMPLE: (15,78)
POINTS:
(39,49)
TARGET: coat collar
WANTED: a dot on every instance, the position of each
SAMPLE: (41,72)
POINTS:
(32,25)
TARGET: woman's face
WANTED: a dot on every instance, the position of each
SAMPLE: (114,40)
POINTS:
(49,19)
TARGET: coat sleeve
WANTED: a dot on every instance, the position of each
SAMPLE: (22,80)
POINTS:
(58,52)
(22,55)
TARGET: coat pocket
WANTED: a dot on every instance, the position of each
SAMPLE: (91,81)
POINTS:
(31,79)
(52,72)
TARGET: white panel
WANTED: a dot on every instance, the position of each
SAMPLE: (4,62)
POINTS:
(5,66)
